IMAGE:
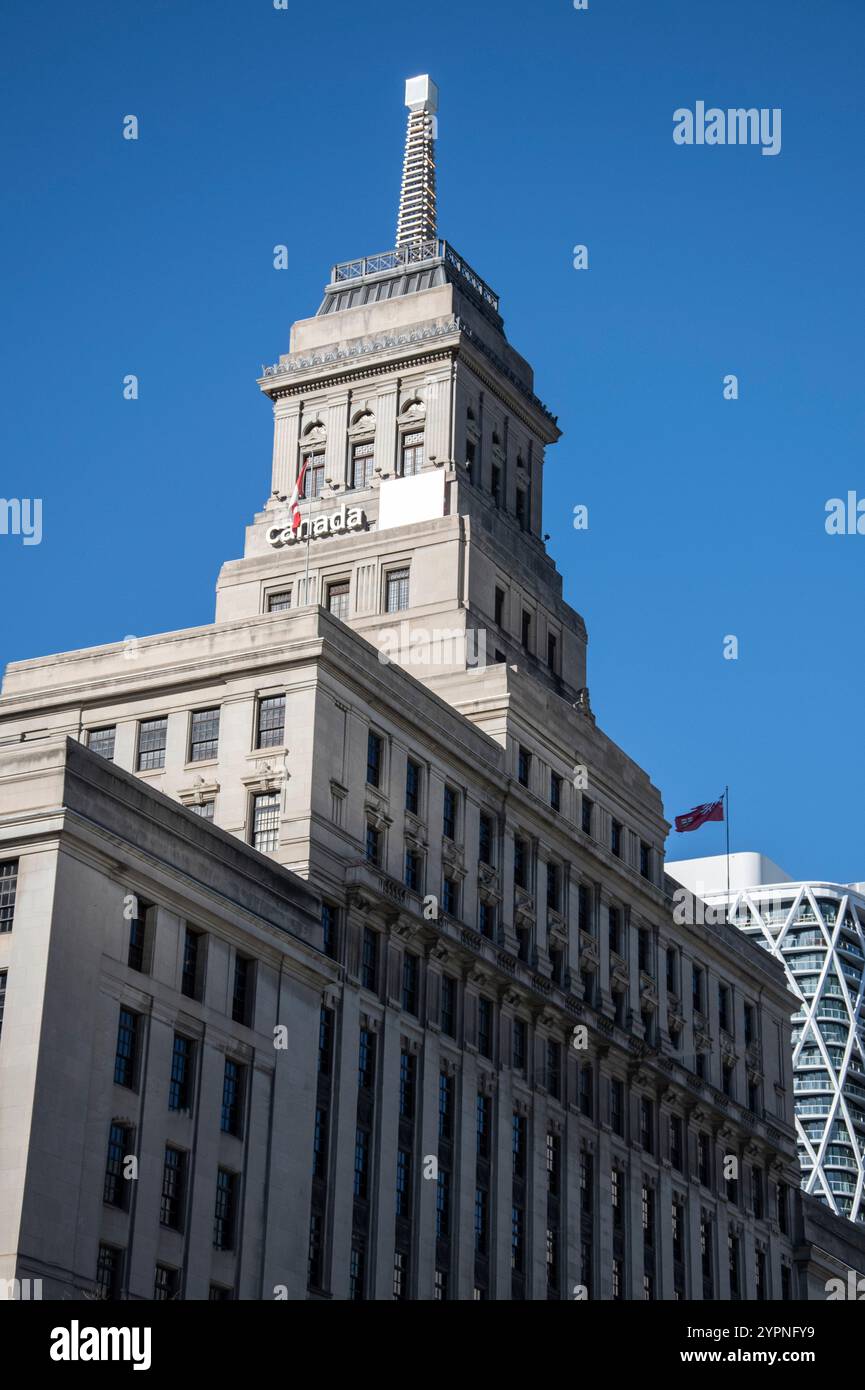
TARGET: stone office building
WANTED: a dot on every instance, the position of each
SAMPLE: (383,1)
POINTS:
(523,1079)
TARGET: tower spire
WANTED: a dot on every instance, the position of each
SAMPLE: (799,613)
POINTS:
(417,199)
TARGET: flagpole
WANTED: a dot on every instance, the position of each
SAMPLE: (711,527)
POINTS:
(727,824)
(306,576)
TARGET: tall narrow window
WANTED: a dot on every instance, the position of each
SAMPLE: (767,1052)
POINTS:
(526,630)
(396,590)
(369,959)
(555,791)
(411,454)
(3,977)
(231,1121)
(152,739)
(553,652)
(500,607)
(486,839)
(313,480)
(108,1269)
(448,1006)
(410,979)
(271,722)
(412,787)
(116,1189)
(8,893)
(374,751)
(373,844)
(224,1209)
(524,765)
(485,1027)
(337,599)
(180,1084)
(265,822)
(126,1056)
(136,957)
(191,977)
(521,509)
(449,815)
(173,1188)
(241,995)
(586,815)
(362,463)
(204,735)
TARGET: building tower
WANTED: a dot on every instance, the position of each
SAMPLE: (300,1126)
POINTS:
(818,930)
(417,199)
(480,967)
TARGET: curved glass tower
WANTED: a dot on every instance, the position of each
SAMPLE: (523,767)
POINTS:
(818,931)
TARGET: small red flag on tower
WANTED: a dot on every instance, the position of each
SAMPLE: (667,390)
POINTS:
(294,503)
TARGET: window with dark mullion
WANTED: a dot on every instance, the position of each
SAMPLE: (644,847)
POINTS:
(152,739)
(101,741)
(374,749)
(204,735)
(241,998)
(231,1121)
(126,1056)
(3,977)
(173,1188)
(362,463)
(180,1084)
(8,893)
(411,454)
(224,1210)
(271,722)
(115,1188)
(396,592)
(412,787)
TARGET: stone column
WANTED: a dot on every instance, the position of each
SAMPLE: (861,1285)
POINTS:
(286,429)
(385,429)
(335,467)
(437,390)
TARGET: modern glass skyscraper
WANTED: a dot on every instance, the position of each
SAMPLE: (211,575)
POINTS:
(818,931)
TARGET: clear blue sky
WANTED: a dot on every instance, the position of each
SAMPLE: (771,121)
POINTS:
(260,126)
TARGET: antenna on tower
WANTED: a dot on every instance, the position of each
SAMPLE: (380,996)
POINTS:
(417,199)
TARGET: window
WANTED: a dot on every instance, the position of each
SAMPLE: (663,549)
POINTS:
(3,976)
(441,1286)
(136,957)
(279,603)
(361,1164)
(524,766)
(496,484)
(449,816)
(108,1268)
(451,897)
(750,1025)
(757,1191)
(519,1044)
(554,1068)
(647,1124)
(555,791)
(584,908)
(396,590)
(204,735)
(224,1209)
(407,1079)
(193,959)
(728,1075)
(412,787)
(783,1208)
(115,1188)
(471,455)
(554,1163)
(446,1106)
(356,1274)
(617,1107)
(487,920)
(500,607)
(319,1145)
(552,652)
(672,970)
(265,822)
(325,1041)
(521,509)
(724,1011)
(315,1255)
(678,1216)
(180,1083)
(369,959)
(410,978)
(485,1027)
(101,741)
(374,750)
(373,844)
(618,1280)
(270,731)
(366,1060)
(329,917)
(698,990)
(8,892)
(645,859)
(526,630)
(448,1005)
(519,1133)
(616,838)
(614,918)
(443,1203)
(616,1199)
(126,1056)
(166,1283)
(399,1268)
(644,951)
(411,454)
(231,1121)
(403,1183)
(313,478)
(486,838)
(173,1188)
(761,1288)
(481,1221)
(413,873)
(204,809)
(518,1241)
(703,1160)
(338,599)
(586,815)
(587,1091)
(676,1143)
(362,463)
(554,887)
(152,736)
(241,996)
(521,862)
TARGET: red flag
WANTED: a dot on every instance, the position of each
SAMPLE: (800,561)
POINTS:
(294,504)
(692,820)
